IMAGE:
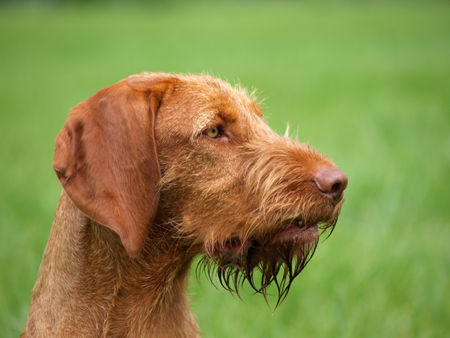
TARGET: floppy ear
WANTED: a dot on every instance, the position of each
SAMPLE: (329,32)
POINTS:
(106,160)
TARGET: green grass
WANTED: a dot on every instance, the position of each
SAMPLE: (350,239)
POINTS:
(366,83)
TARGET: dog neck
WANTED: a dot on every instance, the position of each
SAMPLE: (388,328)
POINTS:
(87,277)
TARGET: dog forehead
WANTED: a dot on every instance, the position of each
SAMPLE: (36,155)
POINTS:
(199,93)
(208,100)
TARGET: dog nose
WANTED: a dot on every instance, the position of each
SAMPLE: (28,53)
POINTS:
(331,182)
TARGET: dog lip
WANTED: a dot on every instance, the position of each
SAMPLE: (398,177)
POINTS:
(297,232)
(294,230)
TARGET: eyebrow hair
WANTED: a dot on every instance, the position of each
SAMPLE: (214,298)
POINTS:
(227,117)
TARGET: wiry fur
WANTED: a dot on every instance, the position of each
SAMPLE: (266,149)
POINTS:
(231,199)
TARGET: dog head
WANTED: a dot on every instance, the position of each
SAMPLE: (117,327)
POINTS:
(194,156)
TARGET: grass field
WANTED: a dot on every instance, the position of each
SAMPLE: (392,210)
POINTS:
(366,83)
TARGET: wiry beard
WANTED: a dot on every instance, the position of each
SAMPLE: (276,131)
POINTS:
(261,265)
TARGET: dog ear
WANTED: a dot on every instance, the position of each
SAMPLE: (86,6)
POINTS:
(106,159)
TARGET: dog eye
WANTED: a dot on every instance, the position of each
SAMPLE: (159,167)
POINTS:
(213,132)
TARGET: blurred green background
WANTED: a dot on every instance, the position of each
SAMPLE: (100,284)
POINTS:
(367,83)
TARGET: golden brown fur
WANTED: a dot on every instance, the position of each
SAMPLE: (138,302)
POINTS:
(147,188)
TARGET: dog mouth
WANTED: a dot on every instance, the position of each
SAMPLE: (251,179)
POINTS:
(297,232)
(294,232)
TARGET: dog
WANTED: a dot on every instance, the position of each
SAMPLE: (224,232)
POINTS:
(156,170)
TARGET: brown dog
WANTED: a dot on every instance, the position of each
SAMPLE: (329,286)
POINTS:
(157,169)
